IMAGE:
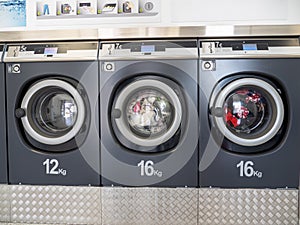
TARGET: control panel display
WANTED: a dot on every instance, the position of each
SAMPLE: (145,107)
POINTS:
(50,51)
(147,48)
(249,47)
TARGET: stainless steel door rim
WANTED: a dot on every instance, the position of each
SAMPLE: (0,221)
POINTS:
(80,111)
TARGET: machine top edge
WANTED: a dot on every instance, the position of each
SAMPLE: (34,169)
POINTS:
(211,31)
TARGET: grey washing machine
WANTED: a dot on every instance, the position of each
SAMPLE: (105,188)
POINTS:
(249,113)
(149,119)
(3,150)
(52,113)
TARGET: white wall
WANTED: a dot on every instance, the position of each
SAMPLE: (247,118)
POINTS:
(233,12)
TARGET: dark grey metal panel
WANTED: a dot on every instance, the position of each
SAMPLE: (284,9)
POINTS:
(25,161)
(280,165)
(3,147)
(178,165)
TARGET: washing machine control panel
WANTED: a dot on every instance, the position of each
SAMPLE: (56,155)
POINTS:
(148,49)
(51,51)
(249,47)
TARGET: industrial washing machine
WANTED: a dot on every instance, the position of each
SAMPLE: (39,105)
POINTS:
(149,119)
(52,113)
(3,150)
(249,113)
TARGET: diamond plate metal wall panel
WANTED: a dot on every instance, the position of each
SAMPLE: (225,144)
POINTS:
(146,206)
(248,206)
(124,206)
(55,204)
(5,199)
(177,206)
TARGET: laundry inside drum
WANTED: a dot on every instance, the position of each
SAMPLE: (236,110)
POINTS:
(149,113)
(245,111)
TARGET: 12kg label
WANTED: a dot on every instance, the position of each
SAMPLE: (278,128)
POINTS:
(52,167)
(148,169)
(247,169)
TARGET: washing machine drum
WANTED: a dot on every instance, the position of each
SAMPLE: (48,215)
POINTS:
(53,113)
(247,111)
(147,114)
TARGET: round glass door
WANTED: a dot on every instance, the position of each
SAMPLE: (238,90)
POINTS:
(147,112)
(248,111)
(55,111)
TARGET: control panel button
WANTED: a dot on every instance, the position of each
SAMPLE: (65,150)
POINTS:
(135,48)
(237,47)
(109,67)
(208,65)
(262,46)
(16,68)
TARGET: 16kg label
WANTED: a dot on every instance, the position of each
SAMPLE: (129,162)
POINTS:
(147,168)
(247,169)
(52,167)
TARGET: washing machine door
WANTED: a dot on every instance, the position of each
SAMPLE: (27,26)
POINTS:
(147,113)
(247,111)
(54,111)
